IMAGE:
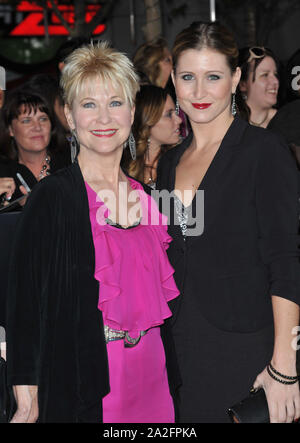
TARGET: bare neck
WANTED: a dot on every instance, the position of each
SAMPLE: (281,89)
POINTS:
(207,134)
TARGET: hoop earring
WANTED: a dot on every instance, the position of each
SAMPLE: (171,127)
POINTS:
(132,147)
(233,105)
(177,107)
(74,145)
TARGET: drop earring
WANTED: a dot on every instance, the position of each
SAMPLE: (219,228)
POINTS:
(73,145)
(233,105)
(132,147)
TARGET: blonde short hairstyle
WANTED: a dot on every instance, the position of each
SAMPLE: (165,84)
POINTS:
(98,61)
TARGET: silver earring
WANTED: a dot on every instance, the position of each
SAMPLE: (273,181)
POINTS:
(244,96)
(177,107)
(73,145)
(132,147)
(148,143)
(233,105)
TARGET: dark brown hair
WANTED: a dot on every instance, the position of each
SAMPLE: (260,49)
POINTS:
(16,102)
(210,35)
(150,102)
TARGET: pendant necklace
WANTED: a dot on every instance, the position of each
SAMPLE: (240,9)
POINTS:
(45,168)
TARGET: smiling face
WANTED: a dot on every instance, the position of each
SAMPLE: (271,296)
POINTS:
(166,130)
(262,92)
(204,84)
(31,130)
(101,117)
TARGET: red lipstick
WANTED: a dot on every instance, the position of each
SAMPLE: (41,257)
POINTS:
(201,105)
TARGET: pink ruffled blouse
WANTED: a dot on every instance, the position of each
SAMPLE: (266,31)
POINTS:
(135,284)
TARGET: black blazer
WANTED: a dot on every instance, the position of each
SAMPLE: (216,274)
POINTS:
(55,335)
(248,250)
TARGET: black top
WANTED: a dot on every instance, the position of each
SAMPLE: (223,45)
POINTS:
(249,246)
(10,168)
(55,335)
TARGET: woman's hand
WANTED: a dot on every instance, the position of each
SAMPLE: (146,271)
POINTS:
(283,400)
(7,186)
(27,404)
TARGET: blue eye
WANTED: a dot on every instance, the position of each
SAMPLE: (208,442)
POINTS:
(44,119)
(116,103)
(89,105)
(187,77)
(213,77)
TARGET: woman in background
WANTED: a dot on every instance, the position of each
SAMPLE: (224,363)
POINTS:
(259,84)
(31,144)
(153,62)
(155,128)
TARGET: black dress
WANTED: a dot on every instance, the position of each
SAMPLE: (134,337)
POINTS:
(223,321)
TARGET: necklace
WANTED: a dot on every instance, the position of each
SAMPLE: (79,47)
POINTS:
(45,168)
(261,123)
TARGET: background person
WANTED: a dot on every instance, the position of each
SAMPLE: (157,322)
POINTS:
(259,84)
(153,62)
(29,140)
(155,129)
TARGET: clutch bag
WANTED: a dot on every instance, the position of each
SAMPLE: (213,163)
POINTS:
(253,409)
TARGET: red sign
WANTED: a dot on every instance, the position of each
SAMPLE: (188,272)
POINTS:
(33,23)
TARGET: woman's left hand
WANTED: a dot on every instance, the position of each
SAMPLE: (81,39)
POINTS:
(283,400)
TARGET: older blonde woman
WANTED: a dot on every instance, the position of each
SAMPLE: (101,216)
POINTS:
(87,337)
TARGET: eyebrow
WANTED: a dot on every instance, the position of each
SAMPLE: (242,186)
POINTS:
(206,72)
(95,99)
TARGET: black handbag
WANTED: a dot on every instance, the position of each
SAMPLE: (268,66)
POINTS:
(253,409)
(7,400)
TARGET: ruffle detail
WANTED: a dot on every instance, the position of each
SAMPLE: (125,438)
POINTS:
(135,277)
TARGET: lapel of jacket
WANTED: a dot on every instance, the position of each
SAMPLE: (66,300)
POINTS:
(220,165)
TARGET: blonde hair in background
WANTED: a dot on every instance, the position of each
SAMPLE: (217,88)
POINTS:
(147,57)
(98,61)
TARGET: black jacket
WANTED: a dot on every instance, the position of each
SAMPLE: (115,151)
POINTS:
(248,250)
(55,332)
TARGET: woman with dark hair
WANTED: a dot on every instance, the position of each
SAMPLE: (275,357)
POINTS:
(259,83)
(234,222)
(30,143)
(155,129)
